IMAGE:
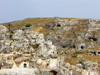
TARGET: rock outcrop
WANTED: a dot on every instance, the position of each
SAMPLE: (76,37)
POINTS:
(65,49)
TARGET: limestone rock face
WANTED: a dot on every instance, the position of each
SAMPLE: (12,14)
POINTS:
(3,29)
(34,35)
(18,34)
(79,66)
(67,65)
(71,33)
(66,37)
(53,63)
(39,61)
(88,65)
(3,32)
(58,23)
(0,45)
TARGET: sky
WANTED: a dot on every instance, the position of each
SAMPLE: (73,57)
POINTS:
(12,10)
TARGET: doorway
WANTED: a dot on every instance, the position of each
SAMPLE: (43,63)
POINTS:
(25,65)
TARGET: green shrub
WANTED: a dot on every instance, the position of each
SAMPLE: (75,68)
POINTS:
(80,62)
(73,32)
(74,55)
(12,32)
(78,52)
(28,25)
(91,52)
(28,46)
(10,35)
(34,40)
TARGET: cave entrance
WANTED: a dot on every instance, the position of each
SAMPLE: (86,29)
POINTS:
(73,46)
(93,38)
(94,53)
(58,25)
(98,52)
(82,47)
(54,72)
(64,46)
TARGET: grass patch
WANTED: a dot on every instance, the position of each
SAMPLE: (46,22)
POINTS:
(28,46)
(80,62)
(12,32)
(78,52)
(74,55)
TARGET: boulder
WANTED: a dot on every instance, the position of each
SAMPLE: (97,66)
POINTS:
(44,63)
(3,29)
(79,66)
(18,35)
(34,35)
(39,61)
(53,63)
(89,65)
(67,65)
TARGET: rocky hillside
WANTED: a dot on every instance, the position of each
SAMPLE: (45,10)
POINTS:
(73,37)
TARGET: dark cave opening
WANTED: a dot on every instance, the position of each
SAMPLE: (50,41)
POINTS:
(98,52)
(82,47)
(93,38)
(64,46)
(54,72)
(73,46)
(58,25)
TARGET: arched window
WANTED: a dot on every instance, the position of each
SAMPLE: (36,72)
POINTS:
(25,65)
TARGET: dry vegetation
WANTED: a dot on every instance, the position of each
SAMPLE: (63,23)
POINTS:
(37,22)
(84,55)
(38,27)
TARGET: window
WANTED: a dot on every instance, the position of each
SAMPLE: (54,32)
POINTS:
(25,65)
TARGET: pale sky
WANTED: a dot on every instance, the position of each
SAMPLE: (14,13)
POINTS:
(12,10)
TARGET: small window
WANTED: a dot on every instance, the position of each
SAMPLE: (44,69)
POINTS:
(25,65)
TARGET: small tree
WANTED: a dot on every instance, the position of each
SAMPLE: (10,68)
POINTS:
(80,62)
(28,25)
(10,35)
(28,46)
(12,32)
